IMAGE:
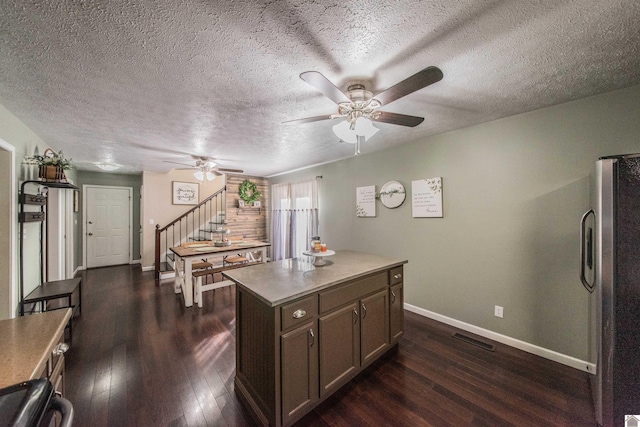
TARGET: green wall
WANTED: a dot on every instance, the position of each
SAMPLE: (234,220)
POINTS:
(116,180)
(514,191)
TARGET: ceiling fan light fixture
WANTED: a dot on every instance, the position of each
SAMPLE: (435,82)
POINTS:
(210,176)
(199,175)
(107,167)
(363,127)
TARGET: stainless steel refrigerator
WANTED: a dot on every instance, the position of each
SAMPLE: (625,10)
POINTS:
(610,257)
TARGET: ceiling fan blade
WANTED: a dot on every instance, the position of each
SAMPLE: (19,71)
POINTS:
(183,164)
(411,84)
(322,84)
(228,170)
(307,120)
(398,119)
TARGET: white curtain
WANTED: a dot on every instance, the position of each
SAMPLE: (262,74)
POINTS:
(294,218)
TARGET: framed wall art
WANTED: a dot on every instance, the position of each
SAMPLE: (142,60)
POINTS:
(366,201)
(185,193)
(426,198)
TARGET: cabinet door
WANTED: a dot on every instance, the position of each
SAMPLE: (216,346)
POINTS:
(299,370)
(396,312)
(339,339)
(374,326)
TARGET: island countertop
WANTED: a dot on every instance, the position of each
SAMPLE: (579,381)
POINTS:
(26,344)
(278,282)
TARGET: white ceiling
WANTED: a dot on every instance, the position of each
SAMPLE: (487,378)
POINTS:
(139,82)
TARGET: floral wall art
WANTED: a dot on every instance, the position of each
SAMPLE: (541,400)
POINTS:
(426,198)
(366,201)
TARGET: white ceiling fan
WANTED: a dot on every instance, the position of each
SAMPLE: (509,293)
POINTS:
(205,167)
(359,107)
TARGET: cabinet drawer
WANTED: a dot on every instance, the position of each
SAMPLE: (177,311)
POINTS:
(298,312)
(352,291)
(395,275)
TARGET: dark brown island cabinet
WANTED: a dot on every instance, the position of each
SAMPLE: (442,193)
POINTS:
(302,332)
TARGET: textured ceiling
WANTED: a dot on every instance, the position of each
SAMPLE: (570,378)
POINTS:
(141,82)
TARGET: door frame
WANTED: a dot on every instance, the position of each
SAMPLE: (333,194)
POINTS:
(12,231)
(85,187)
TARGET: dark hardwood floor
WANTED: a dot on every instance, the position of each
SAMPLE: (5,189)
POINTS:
(140,358)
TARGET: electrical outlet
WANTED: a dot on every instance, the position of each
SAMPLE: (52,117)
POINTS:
(498,311)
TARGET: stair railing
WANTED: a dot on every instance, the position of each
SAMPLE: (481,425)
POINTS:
(188,227)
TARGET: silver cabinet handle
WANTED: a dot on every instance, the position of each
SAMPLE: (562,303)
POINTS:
(299,314)
(364,311)
(355,316)
(60,349)
(393,297)
(312,336)
(583,255)
(397,276)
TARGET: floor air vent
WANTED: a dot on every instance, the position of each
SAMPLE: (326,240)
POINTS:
(474,341)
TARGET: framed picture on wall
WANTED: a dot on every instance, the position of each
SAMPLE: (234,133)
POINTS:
(185,193)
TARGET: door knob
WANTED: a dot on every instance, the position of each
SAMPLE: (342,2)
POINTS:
(90,234)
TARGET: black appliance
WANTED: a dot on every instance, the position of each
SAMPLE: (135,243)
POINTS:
(33,404)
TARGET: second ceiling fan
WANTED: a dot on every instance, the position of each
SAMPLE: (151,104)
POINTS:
(205,167)
(358,104)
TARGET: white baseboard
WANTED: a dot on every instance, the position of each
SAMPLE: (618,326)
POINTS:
(148,268)
(136,261)
(521,345)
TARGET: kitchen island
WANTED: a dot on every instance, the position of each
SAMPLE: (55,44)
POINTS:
(302,331)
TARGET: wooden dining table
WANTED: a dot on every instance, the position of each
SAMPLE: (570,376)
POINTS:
(186,255)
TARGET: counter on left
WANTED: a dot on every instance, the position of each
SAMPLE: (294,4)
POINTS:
(33,347)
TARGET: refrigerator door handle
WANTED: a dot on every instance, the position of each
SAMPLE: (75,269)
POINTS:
(583,255)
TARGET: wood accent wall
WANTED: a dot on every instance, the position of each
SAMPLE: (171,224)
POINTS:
(248,222)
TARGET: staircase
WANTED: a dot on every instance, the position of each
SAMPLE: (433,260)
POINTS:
(199,223)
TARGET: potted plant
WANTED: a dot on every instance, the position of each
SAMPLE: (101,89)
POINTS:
(249,193)
(51,165)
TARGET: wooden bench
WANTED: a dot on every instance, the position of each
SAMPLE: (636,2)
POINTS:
(58,290)
(199,287)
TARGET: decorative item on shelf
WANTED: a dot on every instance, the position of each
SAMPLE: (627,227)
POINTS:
(248,193)
(392,194)
(241,203)
(51,165)
(30,167)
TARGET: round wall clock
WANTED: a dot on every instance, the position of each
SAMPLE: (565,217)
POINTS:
(392,194)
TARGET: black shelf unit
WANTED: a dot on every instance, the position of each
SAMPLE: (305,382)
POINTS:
(34,216)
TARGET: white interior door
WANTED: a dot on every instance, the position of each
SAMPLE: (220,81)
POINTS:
(108,225)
